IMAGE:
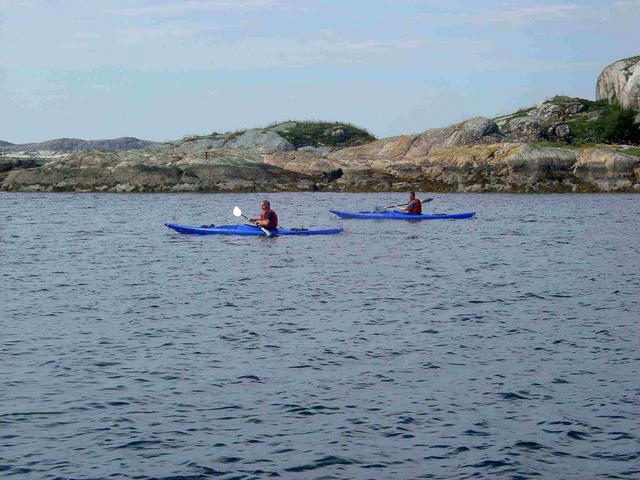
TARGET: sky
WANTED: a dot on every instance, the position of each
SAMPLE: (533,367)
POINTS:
(164,69)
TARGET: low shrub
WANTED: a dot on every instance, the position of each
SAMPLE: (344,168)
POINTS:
(614,125)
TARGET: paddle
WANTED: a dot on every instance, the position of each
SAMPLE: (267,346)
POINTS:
(380,209)
(238,213)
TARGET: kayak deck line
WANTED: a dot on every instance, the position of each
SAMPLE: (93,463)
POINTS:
(395,215)
(248,230)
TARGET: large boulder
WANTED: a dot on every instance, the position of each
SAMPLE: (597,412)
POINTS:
(620,83)
(476,130)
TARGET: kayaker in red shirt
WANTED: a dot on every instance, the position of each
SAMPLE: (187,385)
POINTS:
(414,206)
(268,218)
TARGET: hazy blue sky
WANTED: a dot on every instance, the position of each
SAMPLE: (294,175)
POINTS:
(163,69)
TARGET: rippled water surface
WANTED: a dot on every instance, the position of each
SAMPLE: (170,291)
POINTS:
(506,346)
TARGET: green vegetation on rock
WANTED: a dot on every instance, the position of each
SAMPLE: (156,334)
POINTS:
(300,134)
(321,134)
(613,124)
(572,121)
(213,136)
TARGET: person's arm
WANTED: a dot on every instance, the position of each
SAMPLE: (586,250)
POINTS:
(261,223)
(267,218)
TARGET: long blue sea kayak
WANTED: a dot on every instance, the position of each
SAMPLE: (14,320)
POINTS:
(395,215)
(247,230)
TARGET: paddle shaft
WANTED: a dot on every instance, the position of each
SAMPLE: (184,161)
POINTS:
(426,200)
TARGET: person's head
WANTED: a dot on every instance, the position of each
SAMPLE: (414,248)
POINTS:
(412,195)
(265,205)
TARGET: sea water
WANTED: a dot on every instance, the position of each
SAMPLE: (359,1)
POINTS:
(506,346)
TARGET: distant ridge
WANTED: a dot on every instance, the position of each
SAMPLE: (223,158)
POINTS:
(67,145)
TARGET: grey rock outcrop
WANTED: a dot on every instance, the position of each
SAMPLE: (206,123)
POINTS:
(526,129)
(473,131)
(548,121)
(266,140)
(191,146)
(477,130)
(620,83)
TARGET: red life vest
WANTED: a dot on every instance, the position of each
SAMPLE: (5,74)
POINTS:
(415,207)
(272,221)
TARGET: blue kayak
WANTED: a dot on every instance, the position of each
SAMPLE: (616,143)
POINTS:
(248,230)
(395,215)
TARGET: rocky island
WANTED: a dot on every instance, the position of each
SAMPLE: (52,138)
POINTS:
(563,144)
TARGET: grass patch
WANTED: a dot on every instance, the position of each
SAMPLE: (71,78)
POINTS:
(233,135)
(214,136)
(523,112)
(545,144)
(635,151)
(193,138)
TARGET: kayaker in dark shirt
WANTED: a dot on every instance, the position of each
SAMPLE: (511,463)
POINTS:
(268,218)
(414,206)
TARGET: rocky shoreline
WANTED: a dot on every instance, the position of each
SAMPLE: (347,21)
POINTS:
(556,146)
(498,167)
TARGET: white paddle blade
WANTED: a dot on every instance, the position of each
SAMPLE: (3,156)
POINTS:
(237,212)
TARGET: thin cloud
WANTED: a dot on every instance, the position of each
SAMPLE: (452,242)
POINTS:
(384,46)
(133,36)
(255,53)
(512,17)
(85,35)
(190,6)
(543,13)
(22,3)
(525,15)
(101,87)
